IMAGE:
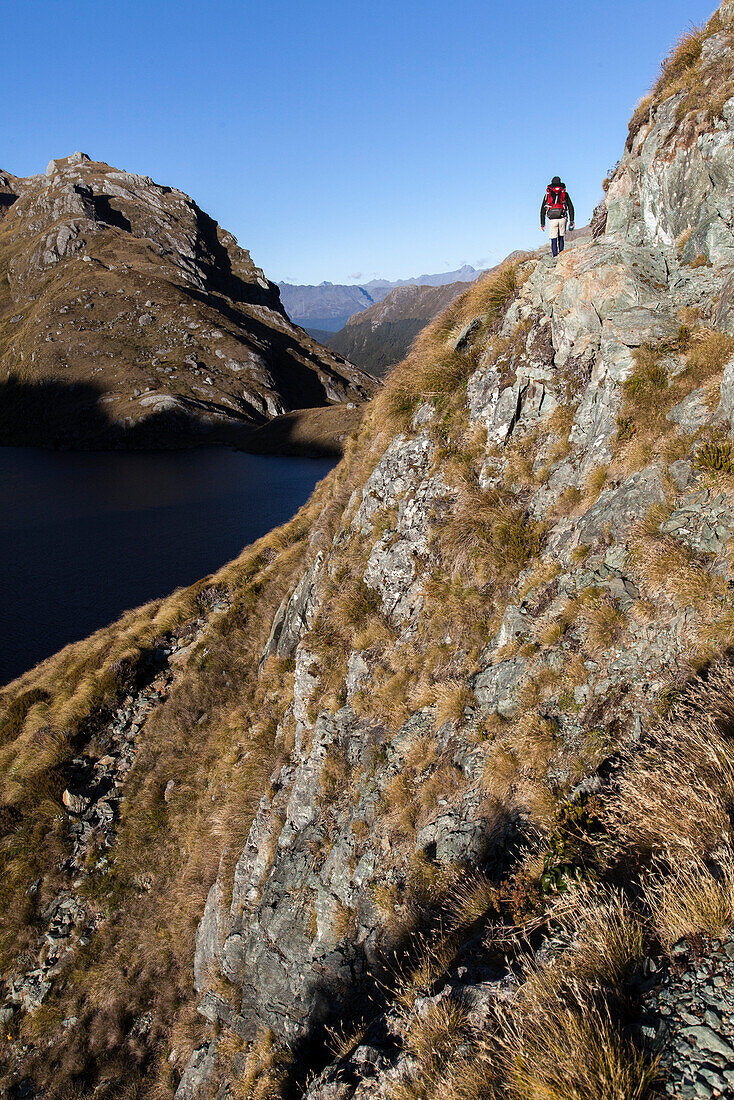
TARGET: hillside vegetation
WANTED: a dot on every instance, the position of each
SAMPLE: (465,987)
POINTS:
(430,793)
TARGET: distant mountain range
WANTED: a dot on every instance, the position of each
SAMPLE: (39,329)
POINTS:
(328,306)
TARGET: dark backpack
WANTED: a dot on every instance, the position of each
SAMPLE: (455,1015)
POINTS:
(555,201)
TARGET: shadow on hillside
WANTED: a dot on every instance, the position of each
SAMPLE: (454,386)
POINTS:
(69,416)
(216,260)
(109,214)
(298,388)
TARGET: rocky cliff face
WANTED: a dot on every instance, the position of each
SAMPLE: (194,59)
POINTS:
(128,316)
(441,790)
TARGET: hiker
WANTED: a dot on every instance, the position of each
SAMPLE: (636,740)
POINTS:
(556,205)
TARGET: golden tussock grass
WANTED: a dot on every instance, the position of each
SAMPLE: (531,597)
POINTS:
(645,434)
(567,1046)
(444,782)
(681,72)
(602,622)
(534,741)
(436,1032)
(542,574)
(609,937)
(451,698)
(501,771)
(667,566)
(690,896)
(342,1039)
(400,804)
(265,1068)
(595,482)
(560,1037)
(421,754)
(489,537)
(472,898)
(435,956)
(676,793)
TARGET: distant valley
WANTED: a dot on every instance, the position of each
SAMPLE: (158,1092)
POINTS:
(380,336)
(327,307)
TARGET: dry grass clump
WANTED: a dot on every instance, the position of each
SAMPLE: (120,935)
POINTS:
(676,793)
(680,60)
(560,1037)
(489,536)
(400,804)
(609,937)
(561,1043)
(669,567)
(471,899)
(595,482)
(709,352)
(353,605)
(442,783)
(265,1068)
(602,621)
(534,740)
(644,433)
(542,574)
(452,697)
(690,896)
(487,298)
(437,1032)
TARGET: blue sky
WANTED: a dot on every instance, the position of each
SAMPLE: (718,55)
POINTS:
(341,140)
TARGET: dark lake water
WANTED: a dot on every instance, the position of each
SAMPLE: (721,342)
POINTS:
(85,536)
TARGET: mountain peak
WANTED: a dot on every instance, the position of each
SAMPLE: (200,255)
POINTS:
(67,162)
(130,318)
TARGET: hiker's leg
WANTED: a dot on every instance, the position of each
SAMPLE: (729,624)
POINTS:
(553,224)
(561,233)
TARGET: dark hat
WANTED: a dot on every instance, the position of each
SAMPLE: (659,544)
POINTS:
(556,181)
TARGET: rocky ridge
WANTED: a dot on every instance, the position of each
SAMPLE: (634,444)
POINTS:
(582,321)
(484,683)
(128,316)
